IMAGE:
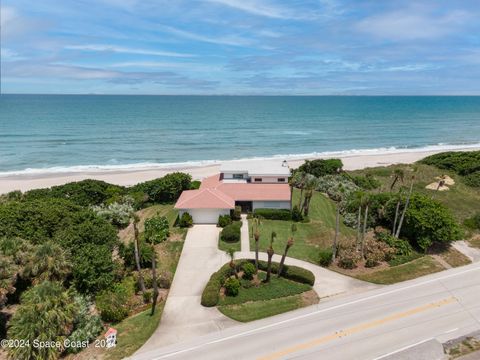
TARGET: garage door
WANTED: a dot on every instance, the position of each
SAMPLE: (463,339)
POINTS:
(206,216)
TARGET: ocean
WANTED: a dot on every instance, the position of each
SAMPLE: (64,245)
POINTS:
(68,133)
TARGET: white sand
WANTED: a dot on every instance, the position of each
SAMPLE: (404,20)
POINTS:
(128,178)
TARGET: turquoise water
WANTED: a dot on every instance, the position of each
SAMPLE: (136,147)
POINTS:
(48,133)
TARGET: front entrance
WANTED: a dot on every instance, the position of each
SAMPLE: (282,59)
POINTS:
(245,205)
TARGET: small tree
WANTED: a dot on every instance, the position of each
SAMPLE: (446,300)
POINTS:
(256,235)
(49,261)
(156,231)
(231,253)
(397,234)
(289,244)
(270,253)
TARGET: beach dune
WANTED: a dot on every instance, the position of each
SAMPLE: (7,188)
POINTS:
(26,182)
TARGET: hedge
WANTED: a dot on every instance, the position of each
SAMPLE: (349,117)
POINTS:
(274,214)
(231,233)
(211,293)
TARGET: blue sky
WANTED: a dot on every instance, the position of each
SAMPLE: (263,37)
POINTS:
(273,47)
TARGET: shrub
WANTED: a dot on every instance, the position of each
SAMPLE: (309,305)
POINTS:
(211,293)
(325,257)
(165,189)
(237,213)
(461,162)
(371,262)
(147,297)
(290,272)
(115,213)
(367,182)
(296,214)
(186,220)
(232,286)
(114,305)
(274,214)
(322,167)
(164,279)
(378,251)
(194,185)
(224,220)
(337,187)
(231,233)
(472,179)
(401,246)
(348,259)
(127,253)
(248,271)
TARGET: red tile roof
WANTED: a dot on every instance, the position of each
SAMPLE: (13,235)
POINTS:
(214,193)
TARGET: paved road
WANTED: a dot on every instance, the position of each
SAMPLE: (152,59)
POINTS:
(370,325)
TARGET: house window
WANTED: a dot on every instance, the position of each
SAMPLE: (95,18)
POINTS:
(281,179)
(258,179)
(238,176)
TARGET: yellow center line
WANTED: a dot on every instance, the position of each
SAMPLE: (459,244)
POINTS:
(358,328)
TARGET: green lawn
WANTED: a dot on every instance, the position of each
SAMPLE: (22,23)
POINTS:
(310,237)
(255,310)
(416,268)
(276,288)
(224,246)
(133,332)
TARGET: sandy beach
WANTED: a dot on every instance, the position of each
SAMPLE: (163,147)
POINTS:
(128,178)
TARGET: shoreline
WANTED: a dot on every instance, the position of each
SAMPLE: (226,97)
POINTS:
(26,182)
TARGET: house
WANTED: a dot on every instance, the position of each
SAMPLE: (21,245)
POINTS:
(250,185)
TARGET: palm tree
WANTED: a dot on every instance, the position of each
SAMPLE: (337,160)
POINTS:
(299,179)
(400,223)
(256,235)
(397,209)
(289,244)
(270,253)
(359,197)
(137,250)
(49,261)
(366,202)
(337,228)
(310,186)
(231,253)
(156,231)
(398,174)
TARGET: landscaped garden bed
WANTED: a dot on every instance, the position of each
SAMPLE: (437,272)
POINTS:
(244,295)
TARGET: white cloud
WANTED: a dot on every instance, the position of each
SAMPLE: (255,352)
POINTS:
(125,50)
(222,40)
(412,24)
(257,7)
(10,55)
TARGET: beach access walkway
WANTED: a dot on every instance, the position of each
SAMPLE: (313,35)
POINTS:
(184,317)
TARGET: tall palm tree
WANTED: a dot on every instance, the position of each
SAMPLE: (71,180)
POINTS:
(398,174)
(49,261)
(270,253)
(310,186)
(397,209)
(299,179)
(256,235)
(231,253)
(289,244)
(359,197)
(136,243)
(400,223)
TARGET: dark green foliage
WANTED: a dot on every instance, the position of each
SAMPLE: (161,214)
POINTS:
(224,220)
(274,214)
(195,184)
(370,262)
(248,271)
(157,229)
(114,304)
(46,312)
(93,268)
(84,193)
(211,293)
(473,179)
(232,286)
(297,214)
(402,259)
(237,213)
(166,189)
(185,220)
(473,222)
(367,182)
(461,162)
(322,167)
(427,222)
(402,247)
(231,233)
(325,257)
(127,252)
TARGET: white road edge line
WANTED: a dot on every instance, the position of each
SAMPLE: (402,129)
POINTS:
(314,313)
(403,348)
(450,331)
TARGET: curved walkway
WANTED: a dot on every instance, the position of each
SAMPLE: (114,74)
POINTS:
(184,317)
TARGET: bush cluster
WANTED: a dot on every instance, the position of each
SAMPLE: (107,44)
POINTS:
(224,220)
(473,179)
(348,259)
(211,293)
(461,162)
(231,233)
(274,214)
(290,272)
(163,190)
(367,182)
(232,286)
(248,271)
(114,304)
(337,187)
(376,252)
(185,220)
(322,167)
(402,247)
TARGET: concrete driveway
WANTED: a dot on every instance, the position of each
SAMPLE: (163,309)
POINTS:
(183,316)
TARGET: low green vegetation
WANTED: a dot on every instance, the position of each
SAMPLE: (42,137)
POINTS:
(411,270)
(231,233)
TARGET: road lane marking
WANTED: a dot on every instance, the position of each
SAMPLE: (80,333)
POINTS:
(356,329)
(403,348)
(274,324)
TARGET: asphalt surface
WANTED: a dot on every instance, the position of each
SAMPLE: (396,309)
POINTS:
(371,325)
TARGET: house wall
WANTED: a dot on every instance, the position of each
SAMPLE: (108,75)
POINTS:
(229,175)
(270,205)
(269,179)
(205,216)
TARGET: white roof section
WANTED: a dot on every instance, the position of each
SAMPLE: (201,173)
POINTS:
(256,167)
